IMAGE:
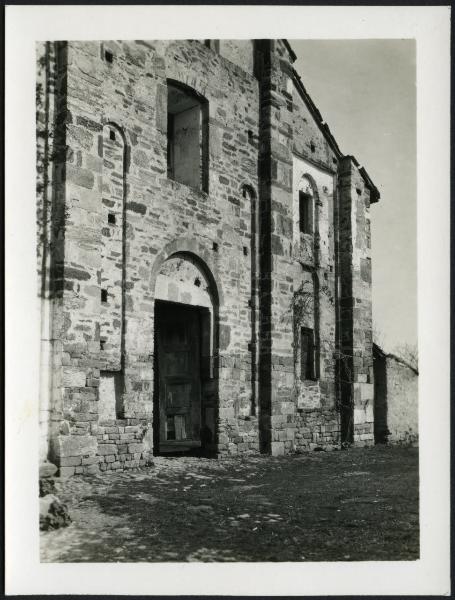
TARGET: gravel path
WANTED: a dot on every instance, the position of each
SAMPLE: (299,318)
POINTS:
(360,504)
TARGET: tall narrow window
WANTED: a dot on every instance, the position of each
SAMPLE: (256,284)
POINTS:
(304,208)
(170,146)
(187,137)
(307,370)
(305,212)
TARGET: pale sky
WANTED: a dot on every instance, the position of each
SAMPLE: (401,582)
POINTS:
(365,91)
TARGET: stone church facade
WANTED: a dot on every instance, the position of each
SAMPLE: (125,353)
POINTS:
(203,256)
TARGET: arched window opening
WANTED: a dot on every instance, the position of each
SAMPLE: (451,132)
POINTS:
(306,327)
(248,192)
(306,207)
(187,137)
(307,354)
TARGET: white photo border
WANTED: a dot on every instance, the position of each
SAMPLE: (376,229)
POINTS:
(25,25)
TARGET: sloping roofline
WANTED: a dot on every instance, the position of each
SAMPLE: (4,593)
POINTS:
(325,130)
(382,354)
(292,54)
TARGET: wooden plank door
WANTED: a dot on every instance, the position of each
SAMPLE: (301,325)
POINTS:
(179,376)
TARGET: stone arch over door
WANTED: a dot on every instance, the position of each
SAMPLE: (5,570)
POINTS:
(186,322)
(201,254)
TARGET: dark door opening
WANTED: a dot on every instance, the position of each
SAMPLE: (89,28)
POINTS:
(177,394)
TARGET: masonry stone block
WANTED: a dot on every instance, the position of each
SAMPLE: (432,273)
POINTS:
(73,377)
(66,471)
(72,445)
(277,448)
(105,449)
(359,416)
(92,469)
(367,392)
(70,461)
(132,448)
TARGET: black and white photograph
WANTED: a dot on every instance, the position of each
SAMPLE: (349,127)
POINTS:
(225,273)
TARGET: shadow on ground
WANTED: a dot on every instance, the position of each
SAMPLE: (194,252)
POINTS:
(360,504)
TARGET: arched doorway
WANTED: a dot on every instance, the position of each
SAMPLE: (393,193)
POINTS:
(185,390)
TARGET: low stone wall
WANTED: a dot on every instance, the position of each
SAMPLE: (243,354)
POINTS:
(119,445)
(238,436)
(396,400)
(402,403)
(316,428)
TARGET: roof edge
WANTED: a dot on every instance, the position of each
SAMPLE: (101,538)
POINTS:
(396,358)
(315,113)
(292,54)
(374,192)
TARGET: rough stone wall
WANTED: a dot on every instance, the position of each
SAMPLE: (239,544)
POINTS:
(239,52)
(314,274)
(116,221)
(395,401)
(285,155)
(309,142)
(315,163)
(113,154)
(161,217)
(316,428)
(118,445)
(356,356)
(402,402)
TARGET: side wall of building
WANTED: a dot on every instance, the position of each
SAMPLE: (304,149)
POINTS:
(395,400)
(315,165)
(337,259)
(355,322)
(402,402)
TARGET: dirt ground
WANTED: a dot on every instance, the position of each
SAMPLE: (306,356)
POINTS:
(357,504)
